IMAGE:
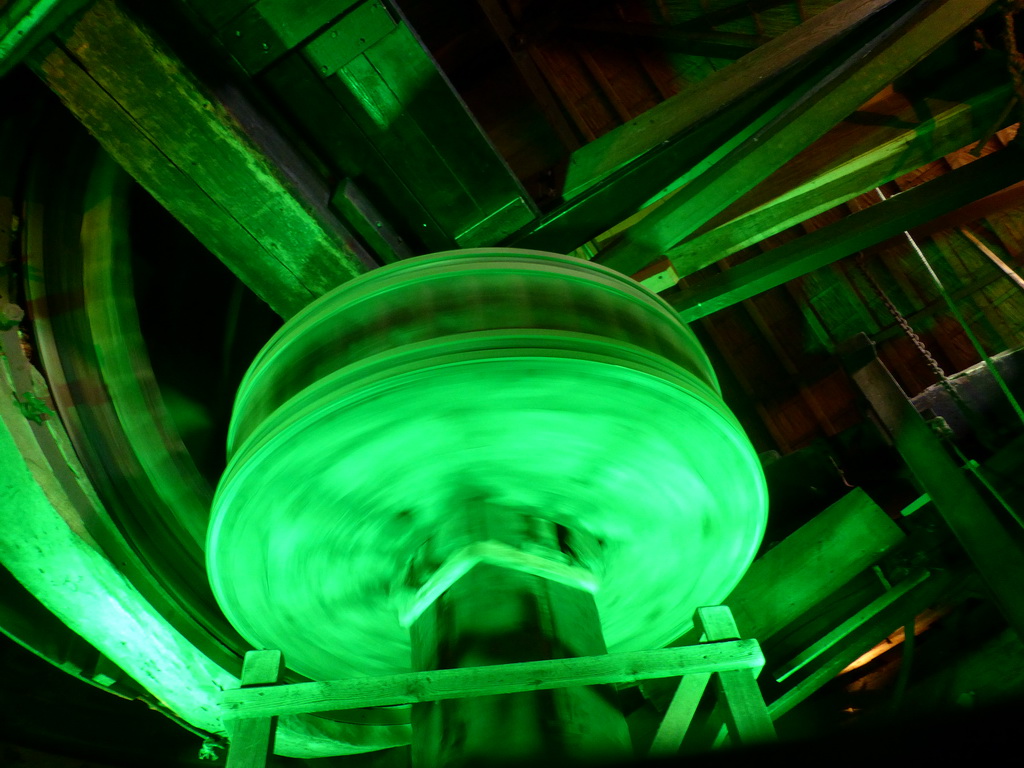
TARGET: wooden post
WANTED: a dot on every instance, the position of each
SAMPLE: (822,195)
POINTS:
(495,615)
(252,741)
(745,712)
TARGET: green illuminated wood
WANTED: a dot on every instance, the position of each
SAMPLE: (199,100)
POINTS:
(676,721)
(860,230)
(856,621)
(405,107)
(268,29)
(843,164)
(997,556)
(197,152)
(674,118)
(252,740)
(610,179)
(486,681)
(802,571)
(24,23)
(863,638)
(838,92)
(738,694)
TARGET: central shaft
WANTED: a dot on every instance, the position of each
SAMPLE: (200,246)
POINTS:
(497,613)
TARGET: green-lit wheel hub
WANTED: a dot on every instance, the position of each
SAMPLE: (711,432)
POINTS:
(540,383)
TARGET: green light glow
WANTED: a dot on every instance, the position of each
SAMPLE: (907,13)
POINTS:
(538,382)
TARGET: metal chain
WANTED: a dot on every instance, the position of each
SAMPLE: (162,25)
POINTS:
(911,334)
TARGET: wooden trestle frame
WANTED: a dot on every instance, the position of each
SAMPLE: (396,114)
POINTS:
(734,663)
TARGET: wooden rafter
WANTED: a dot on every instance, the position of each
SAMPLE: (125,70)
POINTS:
(204,155)
(838,91)
(846,164)
(613,177)
(856,232)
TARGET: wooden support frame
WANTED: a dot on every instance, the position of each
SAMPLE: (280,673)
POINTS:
(858,156)
(204,154)
(837,93)
(252,742)
(611,178)
(735,662)
(24,23)
(861,230)
(997,556)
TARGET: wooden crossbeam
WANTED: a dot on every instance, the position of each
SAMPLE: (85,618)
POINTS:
(803,570)
(838,92)
(252,740)
(845,163)
(24,23)
(611,178)
(994,552)
(204,155)
(443,684)
(854,233)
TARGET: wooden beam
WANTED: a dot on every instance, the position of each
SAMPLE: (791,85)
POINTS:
(747,79)
(838,92)
(724,14)
(738,694)
(252,740)
(24,23)
(204,155)
(610,179)
(993,550)
(437,685)
(526,61)
(854,233)
(865,637)
(845,163)
(802,571)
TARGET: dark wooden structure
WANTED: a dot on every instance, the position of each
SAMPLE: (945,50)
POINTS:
(759,164)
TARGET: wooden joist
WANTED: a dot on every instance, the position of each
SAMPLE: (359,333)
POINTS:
(204,155)
(802,571)
(839,90)
(854,233)
(674,118)
(609,179)
(845,163)
(24,23)
(443,684)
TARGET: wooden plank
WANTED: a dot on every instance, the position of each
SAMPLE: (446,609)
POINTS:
(369,223)
(683,112)
(612,178)
(839,92)
(863,639)
(25,23)
(997,556)
(676,721)
(431,102)
(804,569)
(854,233)
(846,628)
(348,151)
(348,37)
(718,45)
(443,684)
(252,741)
(411,115)
(247,199)
(830,173)
(269,29)
(745,713)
